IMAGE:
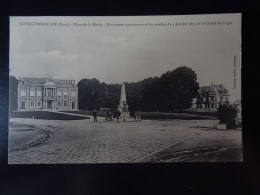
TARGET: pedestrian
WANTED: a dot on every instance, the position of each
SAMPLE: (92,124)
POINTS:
(138,117)
(118,114)
(95,115)
(109,115)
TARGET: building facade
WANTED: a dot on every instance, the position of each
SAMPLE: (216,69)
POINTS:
(47,94)
(210,97)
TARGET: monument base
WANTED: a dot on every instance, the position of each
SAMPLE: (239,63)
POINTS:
(123,108)
(124,116)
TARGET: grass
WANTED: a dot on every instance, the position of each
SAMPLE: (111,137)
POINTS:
(45,115)
(87,112)
(156,115)
(164,116)
(210,114)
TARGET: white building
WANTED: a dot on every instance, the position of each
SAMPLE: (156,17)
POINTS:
(47,93)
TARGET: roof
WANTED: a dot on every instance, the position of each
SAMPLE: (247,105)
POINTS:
(205,90)
(47,81)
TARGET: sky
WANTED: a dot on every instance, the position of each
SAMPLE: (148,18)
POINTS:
(129,48)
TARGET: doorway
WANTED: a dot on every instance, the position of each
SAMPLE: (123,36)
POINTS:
(73,105)
(49,104)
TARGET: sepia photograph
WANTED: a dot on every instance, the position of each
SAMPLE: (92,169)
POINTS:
(125,89)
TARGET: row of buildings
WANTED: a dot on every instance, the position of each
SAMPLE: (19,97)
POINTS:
(57,94)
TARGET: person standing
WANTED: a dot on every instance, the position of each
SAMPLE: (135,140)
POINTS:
(95,115)
(118,114)
(109,115)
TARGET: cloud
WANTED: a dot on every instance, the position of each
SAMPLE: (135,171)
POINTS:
(41,63)
(53,55)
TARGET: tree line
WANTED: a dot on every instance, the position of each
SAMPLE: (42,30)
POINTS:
(174,90)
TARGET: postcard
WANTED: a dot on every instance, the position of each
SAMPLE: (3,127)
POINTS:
(125,89)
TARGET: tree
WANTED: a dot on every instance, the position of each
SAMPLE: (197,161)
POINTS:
(134,96)
(181,87)
(13,93)
(173,90)
(94,95)
(88,90)
(112,96)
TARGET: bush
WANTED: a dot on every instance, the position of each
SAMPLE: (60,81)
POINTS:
(227,114)
(166,116)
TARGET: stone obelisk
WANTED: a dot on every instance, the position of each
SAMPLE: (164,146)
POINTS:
(123,107)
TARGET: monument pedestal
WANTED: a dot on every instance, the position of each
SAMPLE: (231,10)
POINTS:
(124,112)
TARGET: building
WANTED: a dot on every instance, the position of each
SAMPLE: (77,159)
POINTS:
(47,94)
(210,97)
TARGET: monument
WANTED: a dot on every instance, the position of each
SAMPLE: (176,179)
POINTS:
(123,107)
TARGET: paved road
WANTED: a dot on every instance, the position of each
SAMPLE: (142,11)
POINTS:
(83,141)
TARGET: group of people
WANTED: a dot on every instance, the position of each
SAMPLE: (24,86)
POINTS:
(109,115)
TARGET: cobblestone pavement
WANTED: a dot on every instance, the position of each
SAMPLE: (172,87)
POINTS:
(83,141)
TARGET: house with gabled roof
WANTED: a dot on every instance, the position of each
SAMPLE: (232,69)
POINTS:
(47,94)
(210,97)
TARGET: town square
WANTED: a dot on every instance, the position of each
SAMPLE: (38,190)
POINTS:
(83,141)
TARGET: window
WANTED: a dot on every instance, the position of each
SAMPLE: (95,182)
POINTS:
(226,98)
(73,94)
(32,92)
(32,103)
(59,93)
(59,103)
(212,98)
(65,94)
(39,103)
(23,104)
(49,93)
(23,92)
(39,92)
(204,99)
(65,103)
